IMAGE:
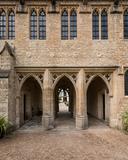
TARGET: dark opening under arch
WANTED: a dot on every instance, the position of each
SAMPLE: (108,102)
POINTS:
(98,99)
(31,100)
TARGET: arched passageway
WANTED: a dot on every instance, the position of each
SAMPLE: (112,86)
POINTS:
(64,101)
(97,101)
(31,101)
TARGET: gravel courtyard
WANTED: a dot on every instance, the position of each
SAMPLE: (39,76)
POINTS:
(96,143)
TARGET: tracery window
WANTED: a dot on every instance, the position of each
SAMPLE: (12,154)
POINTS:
(126,24)
(126,83)
(104,25)
(64,25)
(95,24)
(11,25)
(33,25)
(42,25)
(73,24)
(2,25)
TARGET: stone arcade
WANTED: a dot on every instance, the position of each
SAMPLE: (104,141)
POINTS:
(42,54)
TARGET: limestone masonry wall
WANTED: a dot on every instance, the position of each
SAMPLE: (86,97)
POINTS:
(82,57)
(4,96)
(83,51)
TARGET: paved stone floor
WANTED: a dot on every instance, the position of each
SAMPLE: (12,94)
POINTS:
(99,142)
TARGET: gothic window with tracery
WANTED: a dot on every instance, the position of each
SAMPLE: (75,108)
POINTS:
(73,24)
(95,24)
(2,25)
(64,25)
(11,25)
(33,25)
(104,25)
(126,24)
(42,25)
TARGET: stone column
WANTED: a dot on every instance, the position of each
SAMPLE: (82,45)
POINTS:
(117,100)
(18,111)
(48,115)
(81,108)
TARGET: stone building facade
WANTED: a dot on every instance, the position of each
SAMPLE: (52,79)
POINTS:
(92,69)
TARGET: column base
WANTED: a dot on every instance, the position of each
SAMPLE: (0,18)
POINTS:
(113,123)
(47,122)
(81,122)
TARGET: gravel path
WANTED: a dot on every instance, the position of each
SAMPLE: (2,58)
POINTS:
(96,143)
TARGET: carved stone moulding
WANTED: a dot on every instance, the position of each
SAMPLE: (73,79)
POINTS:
(58,74)
(25,75)
(107,76)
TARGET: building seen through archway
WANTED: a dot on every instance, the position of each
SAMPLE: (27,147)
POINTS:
(64,101)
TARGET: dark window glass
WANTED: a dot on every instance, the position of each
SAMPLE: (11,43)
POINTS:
(126,83)
(64,25)
(73,25)
(2,25)
(126,24)
(104,25)
(11,25)
(33,25)
(42,25)
(95,25)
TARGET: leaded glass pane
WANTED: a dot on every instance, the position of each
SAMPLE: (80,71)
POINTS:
(95,25)
(64,25)
(126,24)
(33,25)
(73,25)
(104,25)
(2,25)
(42,25)
(11,25)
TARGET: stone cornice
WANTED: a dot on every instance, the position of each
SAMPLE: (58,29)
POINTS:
(66,69)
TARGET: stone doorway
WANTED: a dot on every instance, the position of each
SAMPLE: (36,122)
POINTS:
(97,101)
(64,103)
(31,102)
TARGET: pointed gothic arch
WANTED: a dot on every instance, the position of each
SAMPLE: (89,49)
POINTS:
(60,77)
(29,75)
(104,80)
(65,83)
(98,98)
(31,104)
